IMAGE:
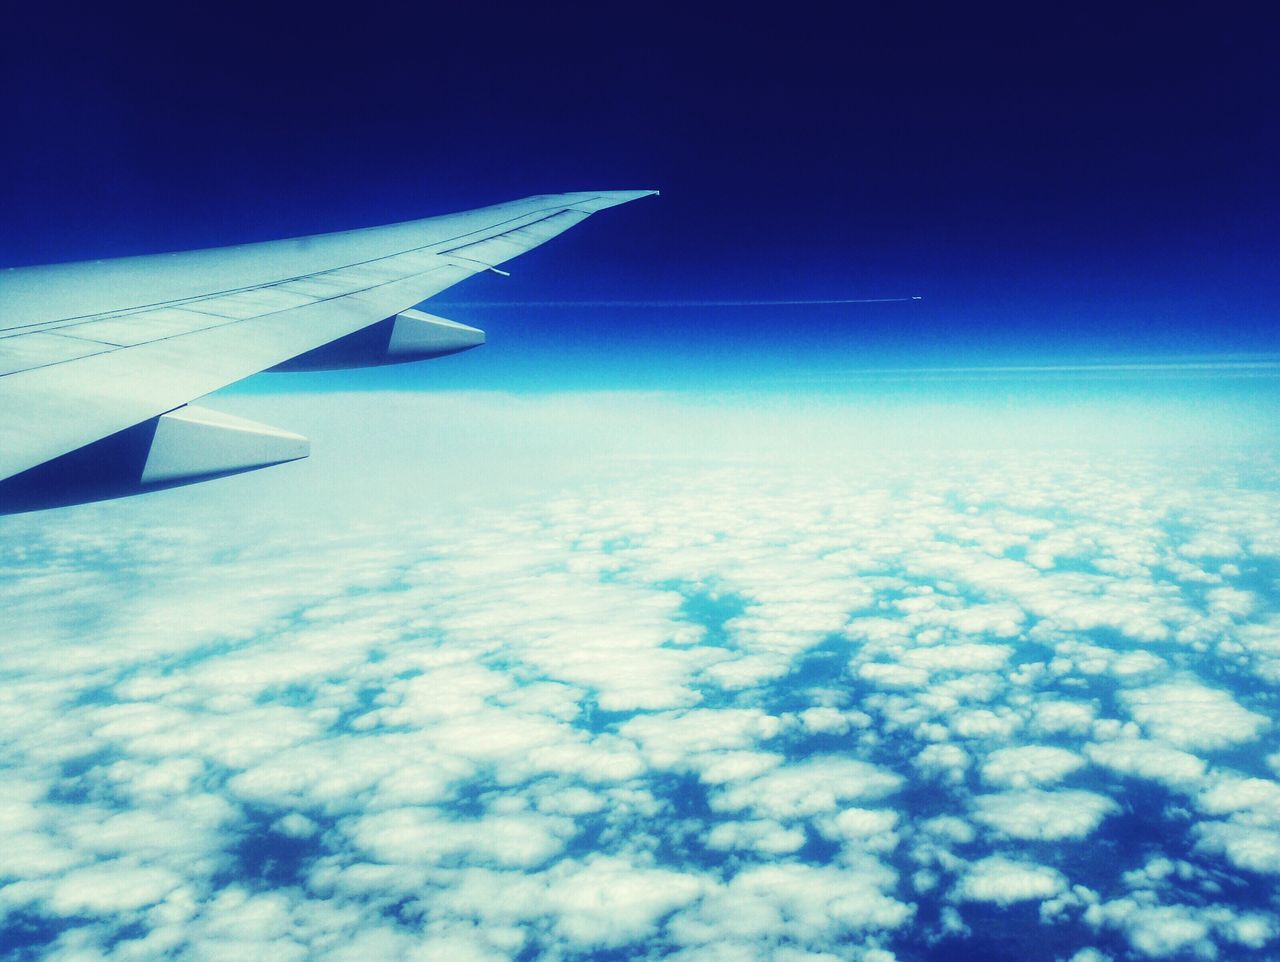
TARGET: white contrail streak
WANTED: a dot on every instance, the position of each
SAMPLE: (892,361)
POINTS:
(1257,366)
(685,303)
(1080,368)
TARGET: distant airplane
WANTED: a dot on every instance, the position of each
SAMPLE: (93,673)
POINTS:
(99,360)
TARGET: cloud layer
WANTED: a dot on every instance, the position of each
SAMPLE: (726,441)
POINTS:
(710,708)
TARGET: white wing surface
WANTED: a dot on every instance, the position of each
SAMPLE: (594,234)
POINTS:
(95,350)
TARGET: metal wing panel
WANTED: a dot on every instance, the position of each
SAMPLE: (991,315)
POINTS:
(496,250)
(40,350)
(37,295)
(101,394)
(144,337)
(127,330)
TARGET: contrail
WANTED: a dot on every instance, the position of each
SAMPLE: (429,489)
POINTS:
(1258,366)
(684,303)
(1264,365)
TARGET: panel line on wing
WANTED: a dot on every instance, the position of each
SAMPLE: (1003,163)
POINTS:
(226,322)
(434,248)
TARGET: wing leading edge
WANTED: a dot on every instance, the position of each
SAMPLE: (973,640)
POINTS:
(92,352)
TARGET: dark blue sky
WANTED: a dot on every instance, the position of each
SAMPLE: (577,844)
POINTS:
(1058,182)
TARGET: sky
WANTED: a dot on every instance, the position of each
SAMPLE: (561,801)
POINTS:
(1077,183)
(694,617)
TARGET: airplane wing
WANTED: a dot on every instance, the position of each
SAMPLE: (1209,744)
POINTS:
(99,360)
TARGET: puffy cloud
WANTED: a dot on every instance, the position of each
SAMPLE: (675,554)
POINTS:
(1147,759)
(717,768)
(1029,765)
(610,902)
(1161,931)
(1159,872)
(765,836)
(1157,930)
(983,723)
(863,828)
(1255,848)
(1090,954)
(118,885)
(807,904)
(1053,717)
(1042,815)
(823,719)
(1005,881)
(891,675)
(1133,664)
(812,787)
(421,837)
(946,761)
(1231,793)
(949,827)
(959,657)
(1251,929)
(669,738)
(1191,715)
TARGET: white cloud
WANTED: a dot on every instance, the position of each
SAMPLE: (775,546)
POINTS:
(1191,715)
(863,829)
(960,657)
(456,947)
(1042,815)
(949,827)
(610,902)
(809,904)
(1147,759)
(1253,929)
(765,836)
(295,825)
(831,721)
(1133,664)
(717,768)
(1054,717)
(1156,872)
(414,836)
(118,885)
(1156,931)
(815,786)
(1029,765)
(669,738)
(1006,881)
(1231,793)
(945,761)
(890,675)
(1090,955)
(983,723)
(1252,847)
